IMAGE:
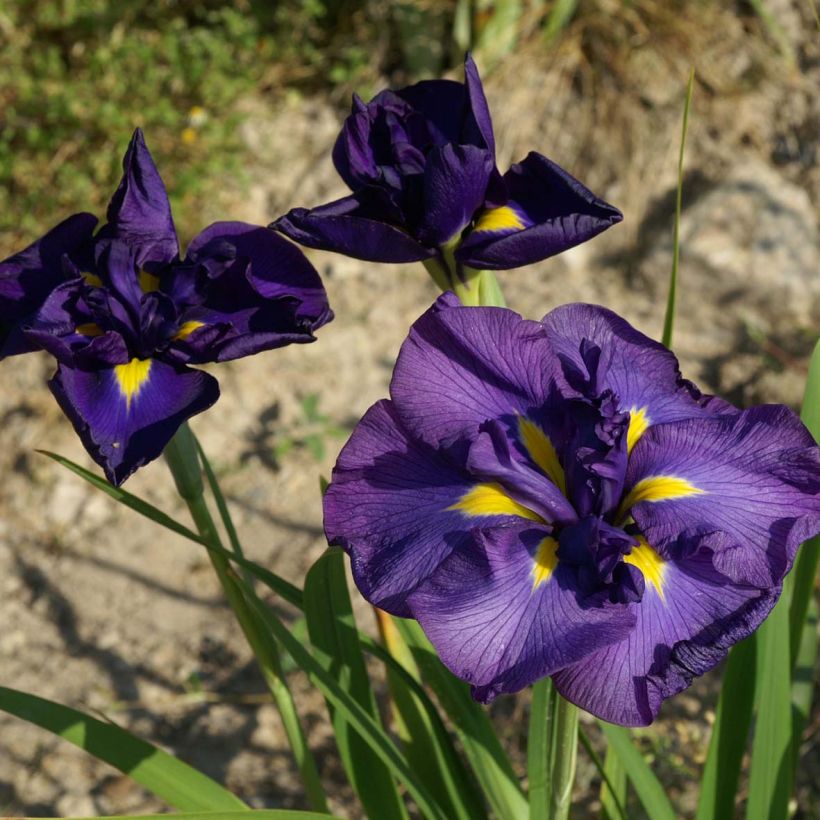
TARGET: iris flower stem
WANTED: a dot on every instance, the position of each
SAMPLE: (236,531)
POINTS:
(183,461)
(564,757)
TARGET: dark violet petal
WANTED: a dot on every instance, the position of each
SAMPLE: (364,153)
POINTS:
(500,620)
(480,120)
(353,156)
(642,373)
(342,227)
(387,506)
(126,415)
(751,479)
(139,212)
(676,638)
(461,367)
(549,212)
(444,104)
(28,277)
(455,185)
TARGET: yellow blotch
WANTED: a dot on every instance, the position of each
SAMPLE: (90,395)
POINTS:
(541,451)
(149,282)
(658,488)
(89,329)
(187,329)
(492,499)
(649,563)
(546,559)
(131,377)
(92,280)
(499,219)
(638,424)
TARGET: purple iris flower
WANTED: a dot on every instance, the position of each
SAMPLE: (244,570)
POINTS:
(421,165)
(125,316)
(552,498)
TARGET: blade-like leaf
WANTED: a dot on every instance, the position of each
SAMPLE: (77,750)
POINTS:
(487,758)
(729,734)
(165,776)
(669,320)
(803,682)
(257,814)
(333,634)
(613,779)
(539,747)
(372,732)
(426,742)
(280,586)
(771,776)
(648,788)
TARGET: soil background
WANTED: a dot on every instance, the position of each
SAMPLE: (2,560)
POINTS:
(104,611)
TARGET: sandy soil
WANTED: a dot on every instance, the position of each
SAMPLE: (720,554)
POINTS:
(106,612)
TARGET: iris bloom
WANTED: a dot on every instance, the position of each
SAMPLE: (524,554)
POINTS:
(421,165)
(552,498)
(125,316)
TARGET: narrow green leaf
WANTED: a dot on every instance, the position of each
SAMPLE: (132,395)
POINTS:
(771,776)
(372,732)
(257,814)
(669,320)
(559,18)
(333,634)
(648,788)
(803,682)
(613,779)
(426,742)
(487,758)
(165,776)
(292,594)
(729,734)
(539,747)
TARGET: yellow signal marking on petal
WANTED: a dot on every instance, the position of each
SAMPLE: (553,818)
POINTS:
(92,280)
(492,499)
(541,451)
(658,488)
(546,559)
(649,563)
(499,219)
(149,282)
(638,424)
(131,377)
(187,329)
(89,329)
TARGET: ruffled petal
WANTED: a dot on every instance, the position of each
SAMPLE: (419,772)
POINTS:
(125,415)
(502,611)
(28,277)
(460,367)
(399,508)
(344,227)
(139,212)
(752,478)
(548,211)
(686,622)
(642,373)
(263,294)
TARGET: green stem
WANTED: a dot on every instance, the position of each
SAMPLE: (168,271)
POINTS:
(539,747)
(564,756)
(182,459)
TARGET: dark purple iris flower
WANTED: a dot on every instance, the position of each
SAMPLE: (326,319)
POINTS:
(124,315)
(552,498)
(421,165)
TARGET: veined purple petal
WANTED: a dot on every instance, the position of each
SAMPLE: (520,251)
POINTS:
(688,618)
(399,507)
(548,212)
(341,226)
(502,611)
(753,477)
(480,112)
(460,367)
(125,415)
(642,373)
(443,104)
(266,296)
(139,212)
(28,277)
(455,184)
